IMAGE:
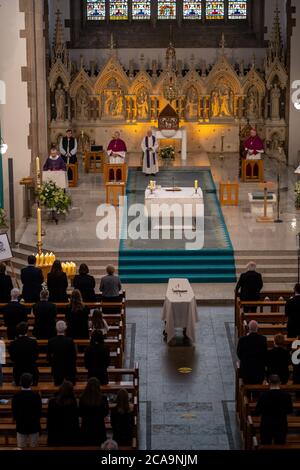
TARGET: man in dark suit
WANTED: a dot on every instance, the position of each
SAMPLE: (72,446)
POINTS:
(252,353)
(273,406)
(292,311)
(6,285)
(32,280)
(249,285)
(45,317)
(14,313)
(27,412)
(24,353)
(62,356)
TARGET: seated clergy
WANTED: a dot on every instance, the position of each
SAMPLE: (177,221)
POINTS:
(254,146)
(68,148)
(54,162)
(116,149)
(252,353)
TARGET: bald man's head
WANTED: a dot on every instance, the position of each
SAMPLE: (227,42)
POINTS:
(253,326)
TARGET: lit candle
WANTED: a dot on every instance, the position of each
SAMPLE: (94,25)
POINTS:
(37,258)
(196,184)
(42,259)
(37,165)
(39,225)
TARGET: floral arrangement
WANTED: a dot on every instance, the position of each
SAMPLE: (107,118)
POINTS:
(297,195)
(167,153)
(54,198)
(3,218)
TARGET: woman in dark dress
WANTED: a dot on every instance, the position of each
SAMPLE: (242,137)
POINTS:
(57,283)
(97,358)
(6,285)
(122,420)
(77,317)
(62,418)
(93,408)
(85,283)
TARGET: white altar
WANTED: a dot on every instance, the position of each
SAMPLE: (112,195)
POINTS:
(180,205)
(58,177)
(173,134)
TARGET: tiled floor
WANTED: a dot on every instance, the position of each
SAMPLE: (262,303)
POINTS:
(185,411)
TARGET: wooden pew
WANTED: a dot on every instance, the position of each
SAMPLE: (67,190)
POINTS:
(48,390)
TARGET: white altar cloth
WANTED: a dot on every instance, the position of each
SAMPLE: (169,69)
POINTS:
(58,177)
(186,196)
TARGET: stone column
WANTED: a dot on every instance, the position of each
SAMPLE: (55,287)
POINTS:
(35,75)
(294,115)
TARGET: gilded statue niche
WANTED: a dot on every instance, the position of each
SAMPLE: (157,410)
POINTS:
(82,105)
(191,103)
(113,101)
(142,104)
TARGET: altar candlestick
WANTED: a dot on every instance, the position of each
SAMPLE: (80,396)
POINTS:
(38,173)
(39,230)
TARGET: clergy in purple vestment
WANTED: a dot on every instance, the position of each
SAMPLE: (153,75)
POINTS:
(116,149)
(54,162)
(254,146)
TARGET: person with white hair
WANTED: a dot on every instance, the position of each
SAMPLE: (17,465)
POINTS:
(14,313)
(249,285)
(62,356)
(109,444)
(252,352)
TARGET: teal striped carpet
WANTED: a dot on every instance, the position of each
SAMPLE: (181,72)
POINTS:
(155,261)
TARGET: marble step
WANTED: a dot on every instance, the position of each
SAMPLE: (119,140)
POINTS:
(275,268)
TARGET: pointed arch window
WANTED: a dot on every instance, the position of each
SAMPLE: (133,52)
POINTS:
(141,10)
(118,10)
(166,10)
(192,10)
(237,10)
(95,10)
(215,10)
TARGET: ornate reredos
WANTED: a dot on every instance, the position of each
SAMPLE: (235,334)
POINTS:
(216,91)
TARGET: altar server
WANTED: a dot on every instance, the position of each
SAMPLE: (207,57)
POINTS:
(68,148)
(150,159)
(116,149)
(254,146)
(54,162)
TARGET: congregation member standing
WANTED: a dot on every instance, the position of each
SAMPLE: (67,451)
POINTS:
(252,353)
(122,420)
(14,313)
(63,418)
(279,360)
(44,317)
(292,311)
(62,356)
(24,353)
(27,413)
(249,286)
(97,358)
(57,283)
(273,406)
(6,285)
(93,409)
(77,317)
(85,283)
(32,279)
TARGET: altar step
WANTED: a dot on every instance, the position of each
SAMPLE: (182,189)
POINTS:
(214,266)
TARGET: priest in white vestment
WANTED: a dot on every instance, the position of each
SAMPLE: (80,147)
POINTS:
(150,158)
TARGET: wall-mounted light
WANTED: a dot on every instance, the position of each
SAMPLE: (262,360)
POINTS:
(3,147)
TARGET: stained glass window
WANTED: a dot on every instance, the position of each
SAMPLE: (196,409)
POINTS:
(215,10)
(192,10)
(141,10)
(96,10)
(237,10)
(166,10)
(118,10)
